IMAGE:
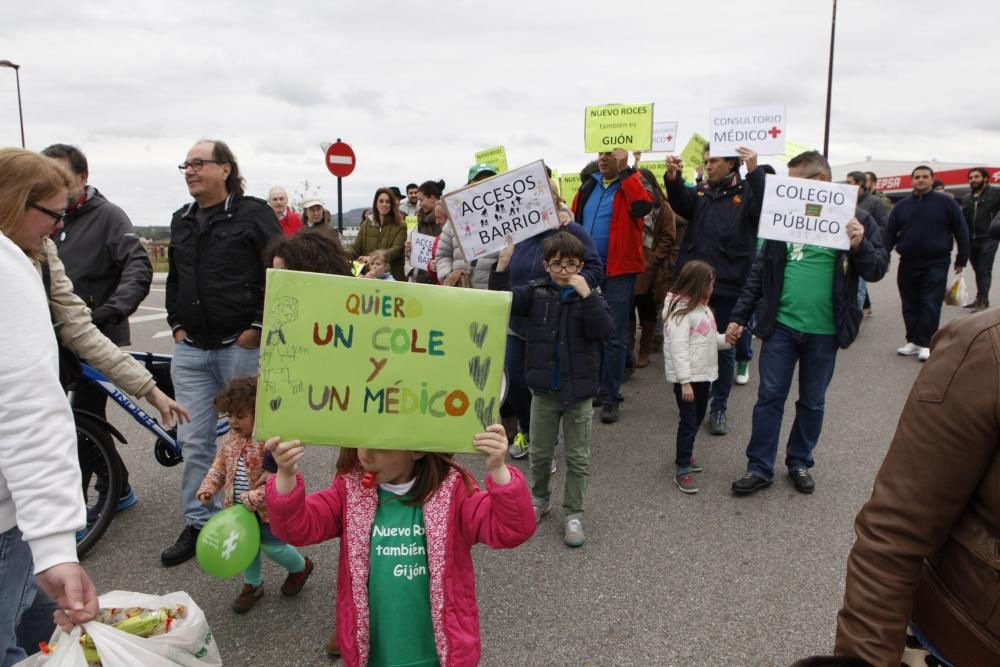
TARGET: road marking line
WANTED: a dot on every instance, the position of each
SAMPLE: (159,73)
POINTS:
(163,334)
(146,318)
(159,310)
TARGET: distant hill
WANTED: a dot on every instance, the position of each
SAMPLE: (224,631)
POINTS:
(352,218)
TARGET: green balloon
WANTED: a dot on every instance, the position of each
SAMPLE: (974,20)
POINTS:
(228,542)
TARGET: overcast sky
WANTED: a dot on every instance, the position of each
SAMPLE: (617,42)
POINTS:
(418,87)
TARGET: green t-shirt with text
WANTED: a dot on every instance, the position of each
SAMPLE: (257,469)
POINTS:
(807,295)
(399,594)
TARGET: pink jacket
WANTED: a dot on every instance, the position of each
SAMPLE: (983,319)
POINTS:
(502,517)
(222,474)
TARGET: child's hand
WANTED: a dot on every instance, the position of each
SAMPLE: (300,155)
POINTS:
(287,455)
(249,501)
(687,392)
(205,498)
(493,443)
(579,283)
(733,333)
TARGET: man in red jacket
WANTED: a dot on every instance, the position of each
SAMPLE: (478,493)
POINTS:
(289,220)
(610,206)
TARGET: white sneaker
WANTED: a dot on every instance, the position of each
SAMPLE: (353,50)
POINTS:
(573,536)
(925,354)
(742,372)
(909,350)
(554,466)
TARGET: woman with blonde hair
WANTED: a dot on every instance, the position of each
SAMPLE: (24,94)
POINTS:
(33,191)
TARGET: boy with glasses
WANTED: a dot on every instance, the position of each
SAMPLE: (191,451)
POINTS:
(567,325)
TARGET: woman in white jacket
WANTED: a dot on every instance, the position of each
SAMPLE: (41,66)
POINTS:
(41,504)
(691,345)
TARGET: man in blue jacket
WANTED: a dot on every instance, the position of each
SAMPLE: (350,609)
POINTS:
(806,302)
(723,212)
(922,229)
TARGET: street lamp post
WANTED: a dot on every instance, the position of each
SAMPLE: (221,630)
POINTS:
(829,83)
(17,77)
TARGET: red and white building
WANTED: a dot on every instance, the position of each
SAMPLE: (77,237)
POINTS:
(894,175)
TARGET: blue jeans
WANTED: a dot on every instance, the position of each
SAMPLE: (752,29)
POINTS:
(198,376)
(778,356)
(722,307)
(17,591)
(618,291)
(518,393)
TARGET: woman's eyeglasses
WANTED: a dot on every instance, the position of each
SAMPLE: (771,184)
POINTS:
(57,216)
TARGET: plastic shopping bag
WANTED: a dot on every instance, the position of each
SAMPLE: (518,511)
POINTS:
(187,639)
(958,293)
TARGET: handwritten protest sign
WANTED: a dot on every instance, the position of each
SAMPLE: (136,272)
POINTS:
(494,156)
(759,128)
(518,204)
(422,250)
(801,210)
(664,137)
(628,126)
(569,185)
(370,363)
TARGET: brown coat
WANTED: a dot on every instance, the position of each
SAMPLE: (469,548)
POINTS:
(657,257)
(928,540)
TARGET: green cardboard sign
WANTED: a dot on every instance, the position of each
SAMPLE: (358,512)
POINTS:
(569,185)
(694,152)
(495,156)
(628,126)
(356,362)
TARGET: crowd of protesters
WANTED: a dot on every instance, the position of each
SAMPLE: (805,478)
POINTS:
(669,261)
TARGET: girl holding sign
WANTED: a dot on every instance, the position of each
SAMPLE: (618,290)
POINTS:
(414,517)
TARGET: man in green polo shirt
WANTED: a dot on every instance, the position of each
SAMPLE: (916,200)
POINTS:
(805,298)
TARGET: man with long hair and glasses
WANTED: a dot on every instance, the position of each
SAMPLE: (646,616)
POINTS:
(215,303)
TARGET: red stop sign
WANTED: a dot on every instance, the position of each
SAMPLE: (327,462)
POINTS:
(340,159)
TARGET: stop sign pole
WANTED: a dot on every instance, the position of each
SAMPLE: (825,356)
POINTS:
(340,161)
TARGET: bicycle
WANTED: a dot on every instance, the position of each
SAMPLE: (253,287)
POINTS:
(99,464)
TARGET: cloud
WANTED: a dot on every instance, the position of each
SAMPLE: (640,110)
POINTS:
(417,89)
(294,92)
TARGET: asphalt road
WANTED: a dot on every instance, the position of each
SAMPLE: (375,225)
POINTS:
(664,578)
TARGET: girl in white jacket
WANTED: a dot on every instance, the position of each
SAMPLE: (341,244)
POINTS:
(691,345)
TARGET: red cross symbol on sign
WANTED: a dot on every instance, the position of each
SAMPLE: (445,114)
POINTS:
(774,132)
(669,138)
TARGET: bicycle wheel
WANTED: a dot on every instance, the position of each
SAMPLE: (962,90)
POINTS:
(102,479)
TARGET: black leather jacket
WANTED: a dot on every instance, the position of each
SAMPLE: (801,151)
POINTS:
(215,287)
